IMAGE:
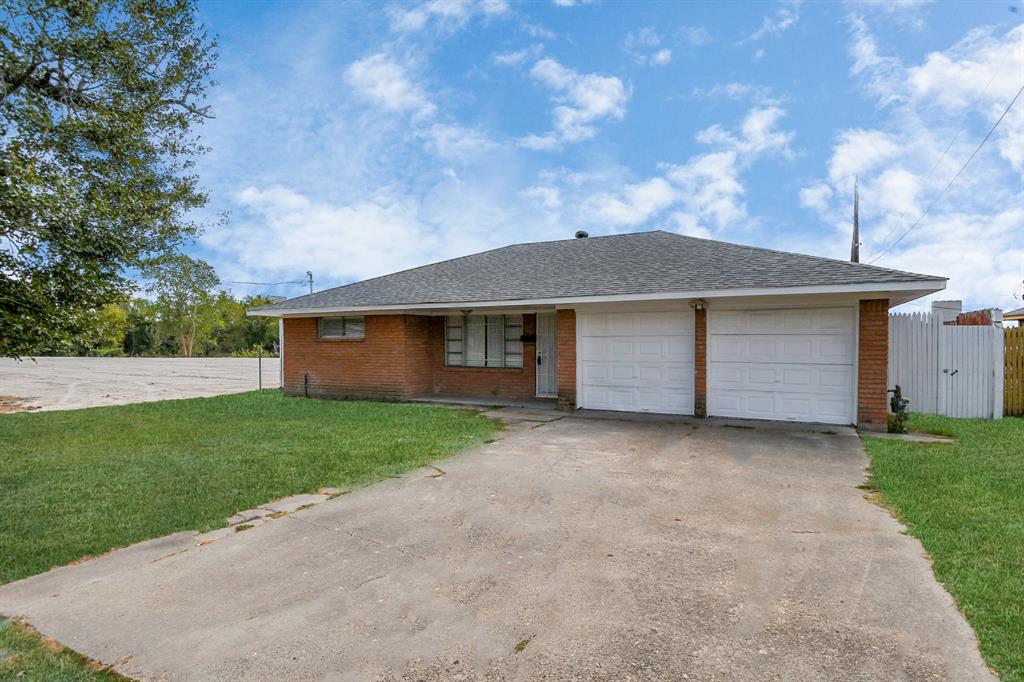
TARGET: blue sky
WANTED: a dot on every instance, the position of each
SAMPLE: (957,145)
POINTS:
(356,139)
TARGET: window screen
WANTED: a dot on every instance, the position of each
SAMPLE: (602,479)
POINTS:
(341,327)
(483,340)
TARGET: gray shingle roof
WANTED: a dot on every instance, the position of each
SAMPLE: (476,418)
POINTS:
(636,263)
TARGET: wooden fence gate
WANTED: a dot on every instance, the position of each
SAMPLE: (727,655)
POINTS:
(956,371)
(1013,388)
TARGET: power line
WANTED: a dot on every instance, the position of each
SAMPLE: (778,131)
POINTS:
(958,173)
(265,284)
(977,100)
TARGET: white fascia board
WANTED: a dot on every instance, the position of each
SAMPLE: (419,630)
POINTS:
(908,291)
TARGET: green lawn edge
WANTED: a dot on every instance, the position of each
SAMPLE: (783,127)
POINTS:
(80,483)
(965,502)
(27,656)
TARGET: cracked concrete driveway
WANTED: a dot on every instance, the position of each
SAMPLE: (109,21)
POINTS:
(576,548)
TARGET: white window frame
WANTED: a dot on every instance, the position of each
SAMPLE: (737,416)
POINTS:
(353,327)
(501,337)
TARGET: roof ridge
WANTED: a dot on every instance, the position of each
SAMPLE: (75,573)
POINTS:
(795,253)
(469,255)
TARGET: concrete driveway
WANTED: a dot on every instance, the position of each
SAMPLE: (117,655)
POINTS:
(576,548)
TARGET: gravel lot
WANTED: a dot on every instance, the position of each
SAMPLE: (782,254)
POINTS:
(72,383)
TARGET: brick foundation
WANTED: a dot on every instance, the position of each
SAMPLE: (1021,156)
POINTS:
(700,363)
(873,365)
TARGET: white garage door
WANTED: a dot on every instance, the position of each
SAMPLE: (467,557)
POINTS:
(636,362)
(796,364)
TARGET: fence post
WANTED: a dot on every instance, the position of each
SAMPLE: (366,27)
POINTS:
(998,370)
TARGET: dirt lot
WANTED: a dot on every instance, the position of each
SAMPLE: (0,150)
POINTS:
(71,383)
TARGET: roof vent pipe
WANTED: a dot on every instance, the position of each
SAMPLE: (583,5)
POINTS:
(582,234)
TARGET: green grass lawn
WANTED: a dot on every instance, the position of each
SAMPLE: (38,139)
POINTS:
(82,482)
(27,657)
(965,502)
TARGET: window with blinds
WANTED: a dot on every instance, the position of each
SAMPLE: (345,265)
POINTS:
(483,340)
(341,327)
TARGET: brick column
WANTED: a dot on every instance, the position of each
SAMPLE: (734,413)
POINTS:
(700,363)
(873,365)
(565,333)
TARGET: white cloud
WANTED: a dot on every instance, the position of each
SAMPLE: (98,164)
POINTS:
(537,30)
(758,133)
(548,197)
(906,12)
(457,143)
(385,82)
(859,151)
(948,100)
(447,15)
(336,242)
(816,197)
(581,101)
(784,18)
(634,205)
(758,94)
(694,36)
(572,3)
(517,57)
(706,192)
(644,46)
(662,56)
(883,73)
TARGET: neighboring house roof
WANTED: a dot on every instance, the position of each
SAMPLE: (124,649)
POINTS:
(1017,314)
(626,264)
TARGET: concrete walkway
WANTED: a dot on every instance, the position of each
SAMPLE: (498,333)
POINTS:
(571,548)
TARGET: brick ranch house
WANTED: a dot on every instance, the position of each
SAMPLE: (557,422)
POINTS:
(644,322)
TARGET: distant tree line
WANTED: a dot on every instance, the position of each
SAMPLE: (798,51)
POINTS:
(184,316)
(141,327)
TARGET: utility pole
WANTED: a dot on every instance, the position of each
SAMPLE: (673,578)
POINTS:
(309,275)
(855,243)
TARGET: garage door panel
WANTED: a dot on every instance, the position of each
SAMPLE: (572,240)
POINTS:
(789,321)
(781,406)
(781,348)
(636,324)
(792,364)
(825,379)
(637,361)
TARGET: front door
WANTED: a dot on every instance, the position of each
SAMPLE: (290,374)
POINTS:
(547,360)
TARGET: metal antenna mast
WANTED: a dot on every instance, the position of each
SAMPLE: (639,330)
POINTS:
(855,244)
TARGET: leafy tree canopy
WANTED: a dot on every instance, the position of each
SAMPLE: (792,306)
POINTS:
(183,288)
(98,101)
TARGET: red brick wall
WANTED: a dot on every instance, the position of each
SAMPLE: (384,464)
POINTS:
(700,363)
(873,365)
(565,332)
(379,366)
(401,356)
(975,318)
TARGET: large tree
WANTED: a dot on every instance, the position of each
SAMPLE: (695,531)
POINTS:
(98,104)
(185,300)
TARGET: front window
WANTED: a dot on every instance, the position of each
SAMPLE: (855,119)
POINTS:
(341,327)
(483,340)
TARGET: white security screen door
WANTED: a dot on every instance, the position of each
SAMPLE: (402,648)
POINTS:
(547,360)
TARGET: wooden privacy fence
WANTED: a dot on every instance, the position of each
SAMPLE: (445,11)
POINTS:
(1013,388)
(956,371)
